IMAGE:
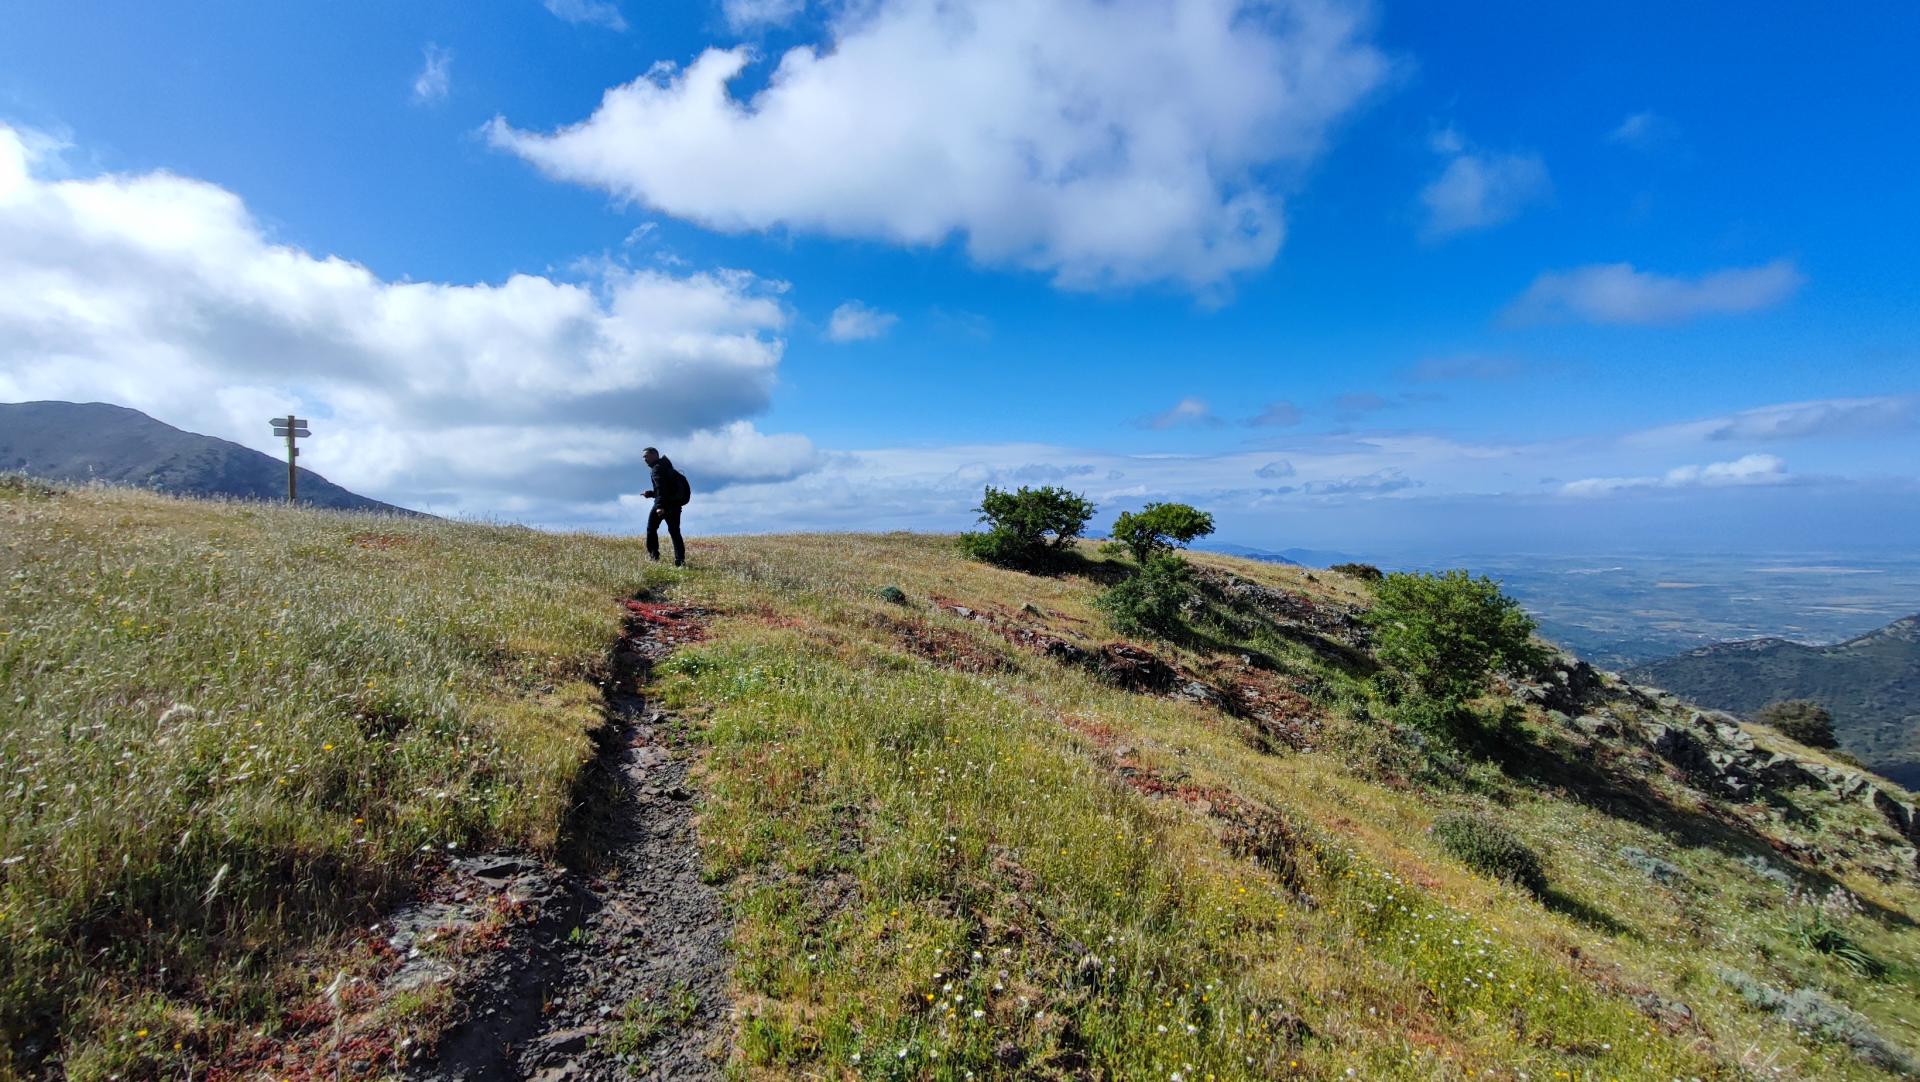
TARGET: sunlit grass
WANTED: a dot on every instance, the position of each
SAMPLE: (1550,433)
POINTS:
(229,731)
(234,734)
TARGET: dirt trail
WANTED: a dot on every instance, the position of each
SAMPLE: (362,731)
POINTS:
(623,975)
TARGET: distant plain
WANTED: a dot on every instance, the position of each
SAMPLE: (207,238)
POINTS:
(1621,610)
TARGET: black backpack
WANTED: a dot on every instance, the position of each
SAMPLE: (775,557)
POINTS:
(682,493)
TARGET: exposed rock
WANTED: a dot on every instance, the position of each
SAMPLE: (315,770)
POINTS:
(1776,770)
(1715,751)
(1564,690)
(1642,694)
(1660,871)
(567,1042)
(1670,1011)
(1903,817)
(1734,737)
(1339,622)
(1132,667)
(1135,668)
(1768,870)
(1600,724)
(1198,691)
(1681,748)
(1846,784)
(1572,686)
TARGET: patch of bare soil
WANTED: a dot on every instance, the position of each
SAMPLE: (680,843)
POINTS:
(943,646)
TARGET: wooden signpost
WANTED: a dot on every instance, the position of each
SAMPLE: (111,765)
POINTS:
(292,428)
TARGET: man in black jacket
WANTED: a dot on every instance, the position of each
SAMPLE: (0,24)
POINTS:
(669,495)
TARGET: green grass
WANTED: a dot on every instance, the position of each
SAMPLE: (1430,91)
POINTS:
(231,732)
(645,1019)
(936,868)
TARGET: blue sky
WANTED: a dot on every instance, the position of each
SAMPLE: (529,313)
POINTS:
(1541,275)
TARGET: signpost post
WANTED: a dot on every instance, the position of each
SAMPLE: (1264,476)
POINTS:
(292,428)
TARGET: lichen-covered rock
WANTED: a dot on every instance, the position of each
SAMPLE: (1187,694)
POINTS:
(1681,748)
(1846,784)
(1199,691)
(1778,771)
(1600,724)
(1660,871)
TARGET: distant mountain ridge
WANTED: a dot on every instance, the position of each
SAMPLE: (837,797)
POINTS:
(77,442)
(1871,684)
(1297,556)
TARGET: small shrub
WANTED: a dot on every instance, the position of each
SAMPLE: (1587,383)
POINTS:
(1448,631)
(1363,572)
(1152,601)
(1490,849)
(892,594)
(1800,719)
(996,547)
(1814,1012)
(18,486)
(1816,922)
(1159,528)
(1028,526)
(1446,718)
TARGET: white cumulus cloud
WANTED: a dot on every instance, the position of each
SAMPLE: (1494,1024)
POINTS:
(163,293)
(1479,189)
(855,322)
(1103,142)
(1617,293)
(1753,469)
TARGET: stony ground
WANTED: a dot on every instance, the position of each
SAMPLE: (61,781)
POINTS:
(624,973)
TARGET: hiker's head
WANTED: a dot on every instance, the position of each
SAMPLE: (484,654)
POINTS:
(651,455)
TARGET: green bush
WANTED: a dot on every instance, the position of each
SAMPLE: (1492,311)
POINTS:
(1448,631)
(1490,849)
(1363,572)
(1448,718)
(1027,527)
(1159,528)
(1152,601)
(1800,719)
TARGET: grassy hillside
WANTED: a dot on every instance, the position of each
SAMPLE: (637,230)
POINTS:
(1871,684)
(234,735)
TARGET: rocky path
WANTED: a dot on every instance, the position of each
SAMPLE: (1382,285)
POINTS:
(623,975)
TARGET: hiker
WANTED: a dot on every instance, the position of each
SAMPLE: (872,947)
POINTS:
(670,492)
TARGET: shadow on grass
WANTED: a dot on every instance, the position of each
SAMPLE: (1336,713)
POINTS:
(1593,917)
(1600,781)
(1055,563)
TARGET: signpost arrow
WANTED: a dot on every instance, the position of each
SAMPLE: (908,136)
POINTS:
(291,428)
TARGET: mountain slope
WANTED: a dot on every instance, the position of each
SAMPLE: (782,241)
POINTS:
(77,442)
(264,764)
(1871,684)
